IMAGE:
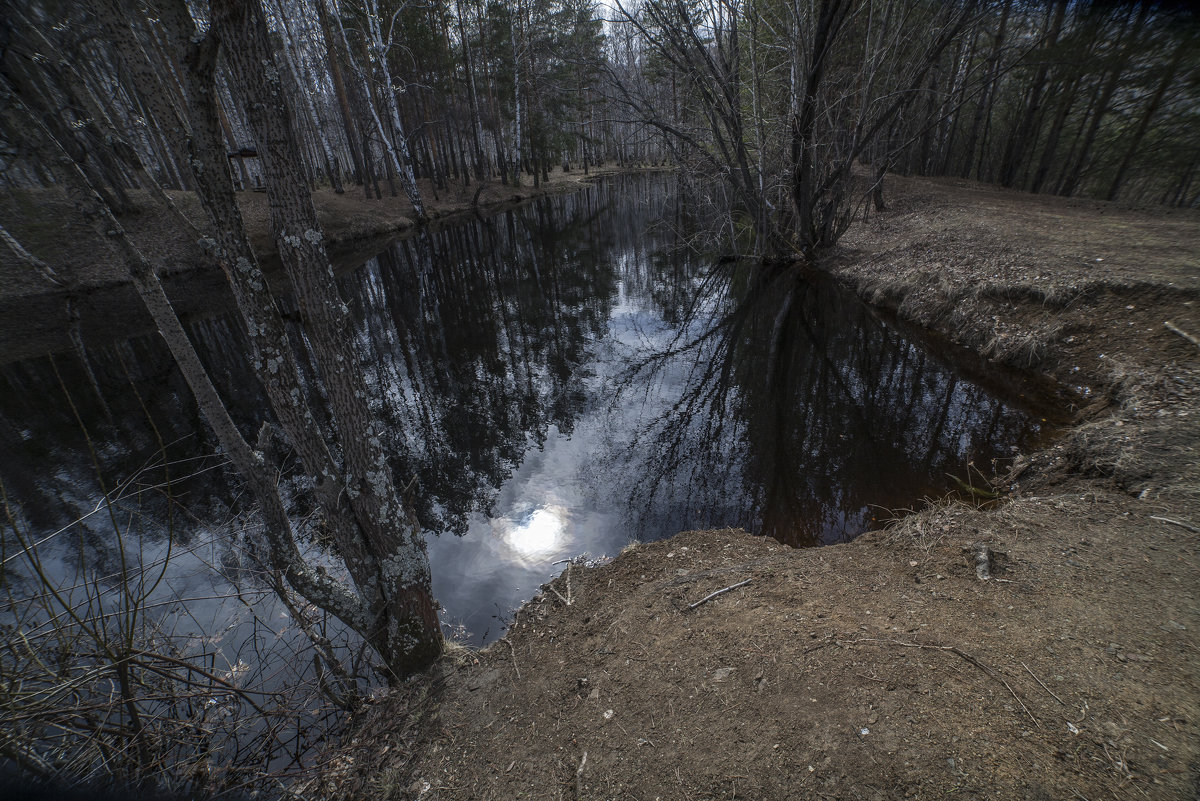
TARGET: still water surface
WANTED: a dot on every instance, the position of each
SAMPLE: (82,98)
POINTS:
(563,378)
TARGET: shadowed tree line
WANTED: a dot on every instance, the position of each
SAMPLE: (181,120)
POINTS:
(382,93)
(802,108)
(782,99)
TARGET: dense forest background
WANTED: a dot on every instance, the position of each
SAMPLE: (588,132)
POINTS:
(1095,99)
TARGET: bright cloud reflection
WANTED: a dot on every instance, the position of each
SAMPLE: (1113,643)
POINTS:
(540,534)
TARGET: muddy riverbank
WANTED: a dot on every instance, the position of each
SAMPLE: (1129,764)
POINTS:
(886,667)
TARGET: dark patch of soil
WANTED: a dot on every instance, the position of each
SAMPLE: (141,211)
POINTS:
(885,668)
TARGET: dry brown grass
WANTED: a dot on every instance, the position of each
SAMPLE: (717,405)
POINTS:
(1148,443)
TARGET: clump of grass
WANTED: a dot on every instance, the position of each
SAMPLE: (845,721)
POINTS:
(927,528)
(885,293)
(1047,295)
(1023,349)
(926,308)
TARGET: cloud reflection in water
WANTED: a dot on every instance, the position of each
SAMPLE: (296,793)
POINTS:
(538,534)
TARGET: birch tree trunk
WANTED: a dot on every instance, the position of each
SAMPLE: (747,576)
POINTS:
(299,80)
(514,14)
(334,59)
(402,159)
(472,95)
(391,568)
(399,160)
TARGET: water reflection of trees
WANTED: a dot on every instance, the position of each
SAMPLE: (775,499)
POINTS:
(800,414)
(475,337)
(65,446)
(778,404)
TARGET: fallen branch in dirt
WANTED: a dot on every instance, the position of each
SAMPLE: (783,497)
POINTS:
(956,651)
(741,568)
(514,658)
(568,600)
(1179,523)
(1044,687)
(710,596)
(579,777)
(1174,329)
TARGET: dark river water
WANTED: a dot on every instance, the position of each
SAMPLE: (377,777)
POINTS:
(563,378)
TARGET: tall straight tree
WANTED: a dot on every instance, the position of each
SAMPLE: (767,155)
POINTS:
(388,562)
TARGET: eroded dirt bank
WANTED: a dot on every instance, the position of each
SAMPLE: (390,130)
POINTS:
(886,668)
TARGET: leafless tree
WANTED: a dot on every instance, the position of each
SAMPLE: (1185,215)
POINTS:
(830,77)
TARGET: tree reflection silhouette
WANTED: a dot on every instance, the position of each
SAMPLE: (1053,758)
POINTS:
(801,414)
(477,337)
(694,392)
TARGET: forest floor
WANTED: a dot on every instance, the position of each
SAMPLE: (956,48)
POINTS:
(33,312)
(885,668)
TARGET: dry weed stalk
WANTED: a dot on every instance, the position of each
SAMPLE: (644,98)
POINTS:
(109,677)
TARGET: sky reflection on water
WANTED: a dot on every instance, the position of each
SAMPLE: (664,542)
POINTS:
(559,379)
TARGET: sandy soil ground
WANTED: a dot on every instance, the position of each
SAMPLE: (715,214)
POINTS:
(887,668)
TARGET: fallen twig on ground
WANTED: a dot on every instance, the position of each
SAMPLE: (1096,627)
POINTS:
(1044,687)
(710,596)
(579,777)
(1174,329)
(568,600)
(1179,523)
(514,658)
(958,652)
